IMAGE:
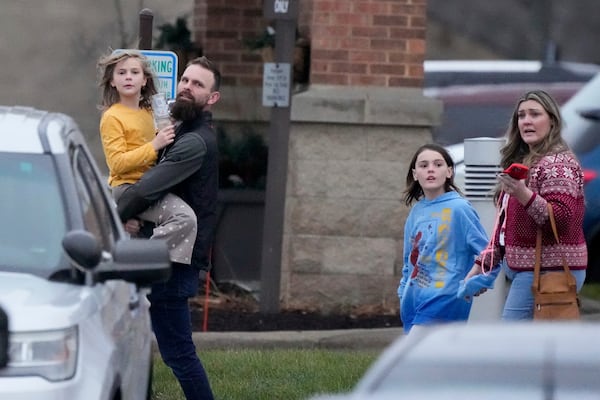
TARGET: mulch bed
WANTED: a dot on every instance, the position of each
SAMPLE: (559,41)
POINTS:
(230,309)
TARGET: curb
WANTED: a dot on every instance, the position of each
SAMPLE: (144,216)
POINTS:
(350,339)
(375,339)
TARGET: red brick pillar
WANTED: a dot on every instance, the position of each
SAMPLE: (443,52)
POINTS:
(368,42)
(353,42)
(220,27)
(353,131)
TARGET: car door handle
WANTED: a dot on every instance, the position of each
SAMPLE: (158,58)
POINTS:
(134,304)
(134,298)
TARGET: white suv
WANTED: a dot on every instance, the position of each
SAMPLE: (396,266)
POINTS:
(71,282)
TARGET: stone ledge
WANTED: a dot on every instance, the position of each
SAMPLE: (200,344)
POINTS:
(337,104)
(366,105)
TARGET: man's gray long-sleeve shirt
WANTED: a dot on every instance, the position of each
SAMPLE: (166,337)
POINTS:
(188,168)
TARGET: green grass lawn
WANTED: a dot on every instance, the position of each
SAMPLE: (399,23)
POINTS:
(591,290)
(271,374)
(281,373)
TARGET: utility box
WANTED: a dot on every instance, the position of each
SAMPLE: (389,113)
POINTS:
(482,165)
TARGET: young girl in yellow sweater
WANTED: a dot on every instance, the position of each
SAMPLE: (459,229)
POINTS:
(131,145)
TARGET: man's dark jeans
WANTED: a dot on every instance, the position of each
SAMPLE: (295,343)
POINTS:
(172,326)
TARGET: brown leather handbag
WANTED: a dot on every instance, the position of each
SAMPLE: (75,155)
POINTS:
(554,292)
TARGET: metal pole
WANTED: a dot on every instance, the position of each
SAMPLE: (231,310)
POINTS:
(279,131)
(145,29)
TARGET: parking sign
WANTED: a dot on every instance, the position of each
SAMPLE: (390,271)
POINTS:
(164,65)
(276,84)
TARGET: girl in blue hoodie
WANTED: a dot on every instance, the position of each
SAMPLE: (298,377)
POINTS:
(442,236)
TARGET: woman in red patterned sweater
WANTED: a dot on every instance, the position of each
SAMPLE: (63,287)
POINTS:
(555,178)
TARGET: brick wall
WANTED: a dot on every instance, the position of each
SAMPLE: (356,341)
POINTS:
(220,27)
(368,42)
(353,42)
(353,130)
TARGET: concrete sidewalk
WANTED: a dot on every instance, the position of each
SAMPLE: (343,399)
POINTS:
(376,339)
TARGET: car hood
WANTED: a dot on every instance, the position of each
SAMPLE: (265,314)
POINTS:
(33,303)
(457,152)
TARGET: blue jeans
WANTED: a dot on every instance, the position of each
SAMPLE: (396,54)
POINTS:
(172,326)
(519,302)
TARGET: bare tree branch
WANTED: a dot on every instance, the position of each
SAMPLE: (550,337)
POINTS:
(121,23)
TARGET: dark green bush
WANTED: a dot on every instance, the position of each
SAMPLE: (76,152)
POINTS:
(242,161)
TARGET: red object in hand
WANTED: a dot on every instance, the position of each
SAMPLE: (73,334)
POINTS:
(517,171)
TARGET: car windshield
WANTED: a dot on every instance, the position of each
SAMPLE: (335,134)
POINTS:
(581,134)
(32,213)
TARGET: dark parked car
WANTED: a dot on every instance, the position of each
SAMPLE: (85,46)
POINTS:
(484,110)
(444,73)
(72,283)
(478,96)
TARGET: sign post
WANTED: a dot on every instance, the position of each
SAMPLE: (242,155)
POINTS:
(146,17)
(277,94)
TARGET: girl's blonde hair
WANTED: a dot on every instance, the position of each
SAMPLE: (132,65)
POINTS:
(106,66)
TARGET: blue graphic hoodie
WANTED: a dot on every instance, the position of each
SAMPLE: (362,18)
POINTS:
(442,237)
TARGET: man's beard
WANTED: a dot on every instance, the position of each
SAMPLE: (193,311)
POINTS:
(186,109)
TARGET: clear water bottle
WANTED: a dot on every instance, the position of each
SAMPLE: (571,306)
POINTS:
(160,110)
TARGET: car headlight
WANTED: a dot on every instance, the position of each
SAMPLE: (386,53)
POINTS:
(49,354)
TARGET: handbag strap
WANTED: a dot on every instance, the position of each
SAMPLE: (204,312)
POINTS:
(553,223)
(554,230)
(538,249)
(538,260)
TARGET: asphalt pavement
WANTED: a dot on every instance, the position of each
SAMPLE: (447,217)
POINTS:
(376,339)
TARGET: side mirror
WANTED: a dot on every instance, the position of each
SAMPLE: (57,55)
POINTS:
(83,249)
(3,338)
(591,114)
(139,261)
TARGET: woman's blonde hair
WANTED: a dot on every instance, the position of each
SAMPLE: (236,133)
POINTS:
(516,150)
(106,66)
